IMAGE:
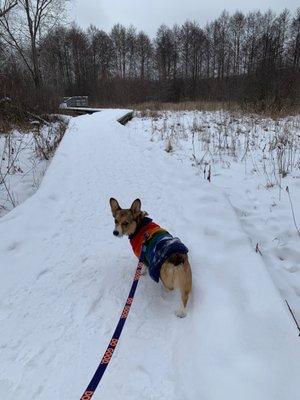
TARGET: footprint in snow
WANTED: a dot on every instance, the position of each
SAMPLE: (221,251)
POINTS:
(13,246)
(43,272)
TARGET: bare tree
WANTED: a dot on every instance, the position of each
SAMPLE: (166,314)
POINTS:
(23,30)
(295,40)
(144,54)
(7,6)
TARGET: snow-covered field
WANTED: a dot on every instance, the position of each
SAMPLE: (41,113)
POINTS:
(64,277)
(252,160)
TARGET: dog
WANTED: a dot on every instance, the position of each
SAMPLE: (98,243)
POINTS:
(164,256)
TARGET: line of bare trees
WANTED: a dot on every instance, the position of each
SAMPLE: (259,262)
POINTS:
(252,58)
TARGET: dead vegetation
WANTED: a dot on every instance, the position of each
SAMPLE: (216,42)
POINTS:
(269,147)
(47,139)
(17,116)
(12,116)
(152,109)
(27,143)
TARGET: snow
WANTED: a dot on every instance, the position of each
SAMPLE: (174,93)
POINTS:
(65,277)
(25,169)
(244,153)
(22,166)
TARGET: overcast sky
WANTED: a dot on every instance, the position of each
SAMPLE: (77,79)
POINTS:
(148,15)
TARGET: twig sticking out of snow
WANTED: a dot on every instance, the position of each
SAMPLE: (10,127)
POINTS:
(257,249)
(292,208)
(2,181)
(293,315)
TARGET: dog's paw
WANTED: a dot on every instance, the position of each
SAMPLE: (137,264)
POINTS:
(181,313)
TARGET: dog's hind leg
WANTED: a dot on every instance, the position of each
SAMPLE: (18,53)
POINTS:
(184,282)
(176,274)
(167,276)
(181,312)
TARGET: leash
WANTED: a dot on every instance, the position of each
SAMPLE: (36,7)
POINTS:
(90,390)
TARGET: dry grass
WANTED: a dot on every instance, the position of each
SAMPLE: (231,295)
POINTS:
(271,146)
(15,116)
(187,106)
(149,109)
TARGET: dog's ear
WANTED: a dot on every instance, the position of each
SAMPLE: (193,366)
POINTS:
(114,205)
(136,207)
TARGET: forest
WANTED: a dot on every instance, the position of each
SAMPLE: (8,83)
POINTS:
(250,59)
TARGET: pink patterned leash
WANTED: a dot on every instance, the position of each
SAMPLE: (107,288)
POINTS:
(90,390)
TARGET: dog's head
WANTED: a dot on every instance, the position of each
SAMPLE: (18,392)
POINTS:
(126,219)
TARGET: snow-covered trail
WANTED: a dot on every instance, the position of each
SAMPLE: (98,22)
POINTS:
(64,279)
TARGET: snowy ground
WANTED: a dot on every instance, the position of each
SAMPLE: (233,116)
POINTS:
(252,160)
(22,166)
(64,278)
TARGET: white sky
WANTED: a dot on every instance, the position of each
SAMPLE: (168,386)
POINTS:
(148,15)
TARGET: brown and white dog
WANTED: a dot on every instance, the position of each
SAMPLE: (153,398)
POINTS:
(154,247)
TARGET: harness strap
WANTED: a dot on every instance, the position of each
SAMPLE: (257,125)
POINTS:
(90,390)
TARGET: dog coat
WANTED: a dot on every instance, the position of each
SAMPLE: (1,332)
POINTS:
(153,245)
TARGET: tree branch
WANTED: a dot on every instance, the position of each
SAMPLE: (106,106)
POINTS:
(8,5)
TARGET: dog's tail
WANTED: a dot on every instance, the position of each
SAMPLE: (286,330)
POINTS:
(177,259)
